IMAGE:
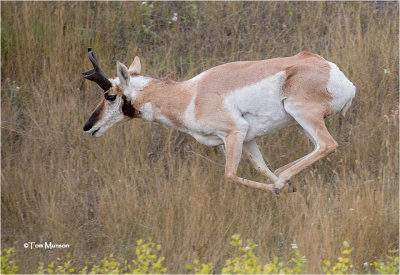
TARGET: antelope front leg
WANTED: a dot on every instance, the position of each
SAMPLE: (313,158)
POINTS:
(233,148)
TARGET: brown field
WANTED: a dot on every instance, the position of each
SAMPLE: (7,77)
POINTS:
(145,180)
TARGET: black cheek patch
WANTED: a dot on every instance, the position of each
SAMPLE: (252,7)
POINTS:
(127,108)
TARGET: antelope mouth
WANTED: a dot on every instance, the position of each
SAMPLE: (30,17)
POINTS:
(94,132)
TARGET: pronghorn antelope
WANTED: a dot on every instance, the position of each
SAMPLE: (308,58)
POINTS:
(231,105)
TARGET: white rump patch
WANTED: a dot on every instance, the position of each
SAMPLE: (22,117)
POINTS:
(341,89)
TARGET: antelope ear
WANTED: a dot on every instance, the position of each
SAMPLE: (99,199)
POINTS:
(135,67)
(123,74)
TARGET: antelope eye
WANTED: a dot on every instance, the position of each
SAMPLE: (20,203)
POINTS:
(110,97)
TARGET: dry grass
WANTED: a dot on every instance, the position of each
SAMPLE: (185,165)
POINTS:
(144,180)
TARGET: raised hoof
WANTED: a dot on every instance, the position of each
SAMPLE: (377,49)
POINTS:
(277,191)
(292,188)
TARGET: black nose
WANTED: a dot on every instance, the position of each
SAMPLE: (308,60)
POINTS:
(87,127)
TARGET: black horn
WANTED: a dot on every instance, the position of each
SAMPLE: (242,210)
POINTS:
(97,75)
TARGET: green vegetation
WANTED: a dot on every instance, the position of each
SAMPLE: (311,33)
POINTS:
(244,261)
(143,180)
(388,266)
(248,263)
(8,261)
(148,261)
(343,265)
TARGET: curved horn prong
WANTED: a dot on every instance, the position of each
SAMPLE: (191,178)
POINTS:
(97,75)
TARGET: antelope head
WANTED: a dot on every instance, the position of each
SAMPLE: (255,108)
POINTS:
(115,106)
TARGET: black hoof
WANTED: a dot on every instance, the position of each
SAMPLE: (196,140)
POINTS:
(292,188)
(277,191)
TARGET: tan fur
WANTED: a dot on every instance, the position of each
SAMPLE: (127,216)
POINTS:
(306,83)
(168,97)
(117,91)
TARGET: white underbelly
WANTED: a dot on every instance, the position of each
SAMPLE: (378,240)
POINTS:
(208,140)
(258,125)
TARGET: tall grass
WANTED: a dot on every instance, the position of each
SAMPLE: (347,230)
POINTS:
(145,180)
